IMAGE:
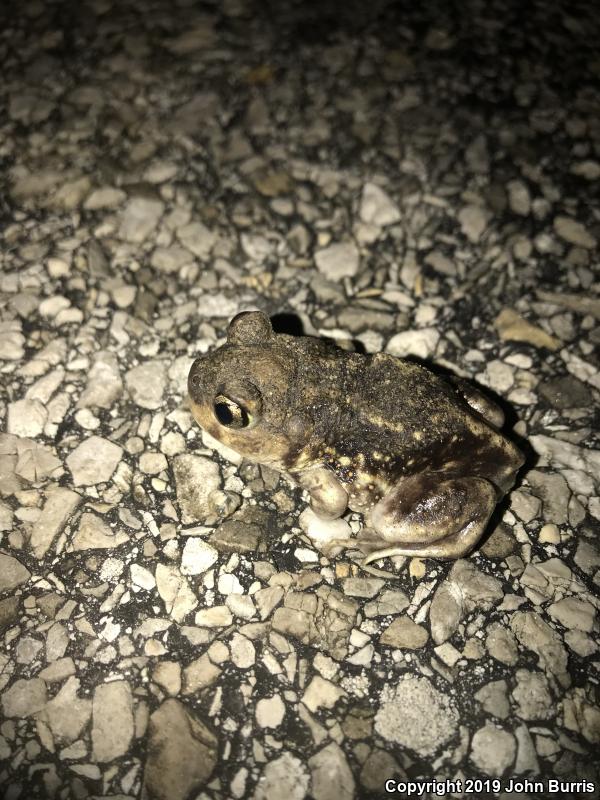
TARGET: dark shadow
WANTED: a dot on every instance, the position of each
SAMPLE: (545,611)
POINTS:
(291,324)
(287,322)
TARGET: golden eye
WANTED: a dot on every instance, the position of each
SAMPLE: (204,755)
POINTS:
(231,414)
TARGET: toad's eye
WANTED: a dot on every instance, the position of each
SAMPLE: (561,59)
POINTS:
(231,414)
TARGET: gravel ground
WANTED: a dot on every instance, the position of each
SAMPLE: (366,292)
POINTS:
(418,178)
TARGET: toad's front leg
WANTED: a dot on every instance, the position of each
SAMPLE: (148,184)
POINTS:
(328,498)
(429,515)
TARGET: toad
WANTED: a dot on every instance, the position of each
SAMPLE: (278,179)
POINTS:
(422,458)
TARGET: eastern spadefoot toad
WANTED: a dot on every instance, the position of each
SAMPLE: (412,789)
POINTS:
(422,458)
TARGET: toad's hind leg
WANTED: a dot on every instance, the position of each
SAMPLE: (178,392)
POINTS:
(430,516)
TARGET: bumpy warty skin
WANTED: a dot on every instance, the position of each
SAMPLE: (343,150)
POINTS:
(421,457)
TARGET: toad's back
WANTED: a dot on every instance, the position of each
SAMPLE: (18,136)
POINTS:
(398,418)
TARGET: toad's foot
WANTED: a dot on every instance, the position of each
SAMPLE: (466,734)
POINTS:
(328,498)
(455,546)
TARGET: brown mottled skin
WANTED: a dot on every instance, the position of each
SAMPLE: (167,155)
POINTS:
(422,458)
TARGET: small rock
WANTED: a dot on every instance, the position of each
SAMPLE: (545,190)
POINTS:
(30,185)
(565,454)
(498,376)
(321,694)
(565,392)
(500,543)
(270,711)
(214,617)
(11,341)
(582,715)
(94,533)
(267,599)
(160,172)
(536,635)
(331,775)
(285,776)
(377,208)
(167,674)
(513,327)
(9,610)
(256,247)
(229,584)
(57,641)
(465,589)
(323,619)
(241,605)
(170,259)
(175,592)
(45,387)
(338,260)
(123,295)
(139,219)
(106,197)
(197,238)
(196,39)
(112,720)
(236,536)
(35,461)
(12,573)
(27,650)
(50,307)
(590,170)
(146,384)
(198,556)
(392,601)
(58,671)
(196,479)
(142,577)
(94,461)
(30,108)
(26,418)
(574,613)
(532,696)
(243,652)
(421,343)
(70,194)
(553,490)
(181,753)
(67,714)
(273,184)
(525,505)
(152,463)
(501,644)
(405,633)
(199,674)
(58,508)
(493,750)
(473,222)
(549,534)
(526,762)
(519,198)
(363,587)
(414,714)
(477,155)
(493,698)
(440,263)
(24,698)
(573,232)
